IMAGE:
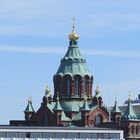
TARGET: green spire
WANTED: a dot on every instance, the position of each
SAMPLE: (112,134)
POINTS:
(85,106)
(57,105)
(29,107)
(129,113)
(116,108)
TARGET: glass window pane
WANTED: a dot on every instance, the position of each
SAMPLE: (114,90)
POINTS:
(93,135)
(84,135)
(2,134)
(12,134)
(48,135)
(60,135)
(22,135)
(36,135)
(72,135)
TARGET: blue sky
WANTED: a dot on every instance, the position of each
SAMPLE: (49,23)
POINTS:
(34,37)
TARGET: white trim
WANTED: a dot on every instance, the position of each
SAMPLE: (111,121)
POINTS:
(60,130)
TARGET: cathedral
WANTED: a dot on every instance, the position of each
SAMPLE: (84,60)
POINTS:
(74,105)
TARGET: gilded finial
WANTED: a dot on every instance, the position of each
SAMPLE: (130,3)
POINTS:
(115,99)
(30,99)
(129,97)
(47,91)
(97,89)
(73,36)
(73,25)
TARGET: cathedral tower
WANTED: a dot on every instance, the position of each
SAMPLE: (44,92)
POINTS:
(73,80)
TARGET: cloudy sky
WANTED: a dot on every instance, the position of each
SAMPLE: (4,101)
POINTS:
(34,37)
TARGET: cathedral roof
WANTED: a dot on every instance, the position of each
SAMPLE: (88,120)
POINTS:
(73,63)
(116,109)
(129,112)
(29,107)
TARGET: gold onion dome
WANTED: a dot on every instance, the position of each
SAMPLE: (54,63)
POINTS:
(73,36)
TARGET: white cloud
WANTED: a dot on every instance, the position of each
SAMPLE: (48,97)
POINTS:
(40,17)
(60,50)
(116,53)
(26,49)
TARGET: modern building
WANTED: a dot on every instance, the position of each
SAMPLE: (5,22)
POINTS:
(41,133)
(73,106)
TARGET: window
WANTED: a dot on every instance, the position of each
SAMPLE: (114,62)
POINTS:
(98,119)
(36,135)
(137,130)
(60,87)
(60,135)
(48,135)
(76,86)
(68,87)
(12,135)
(132,129)
(85,135)
(2,134)
(28,135)
(22,135)
(87,85)
(72,135)
(46,119)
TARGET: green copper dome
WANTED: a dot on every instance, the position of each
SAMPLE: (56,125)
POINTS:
(57,105)
(129,113)
(116,109)
(29,107)
(73,62)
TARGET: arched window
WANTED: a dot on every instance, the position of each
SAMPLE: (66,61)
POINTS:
(132,129)
(68,86)
(58,84)
(87,85)
(45,119)
(98,119)
(137,130)
(87,120)
(60,87)
(76,83)
(118,119)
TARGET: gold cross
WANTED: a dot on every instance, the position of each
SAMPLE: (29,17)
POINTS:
(73,25)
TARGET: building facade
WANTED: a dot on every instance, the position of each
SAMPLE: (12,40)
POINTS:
(73,103)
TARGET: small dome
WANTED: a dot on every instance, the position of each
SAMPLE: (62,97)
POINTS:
(73,36)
